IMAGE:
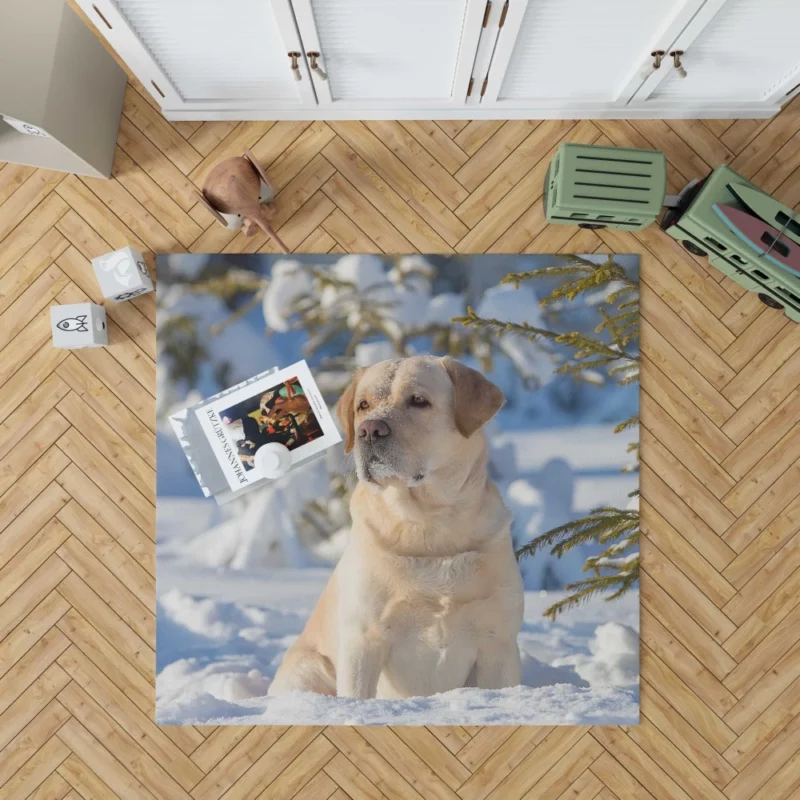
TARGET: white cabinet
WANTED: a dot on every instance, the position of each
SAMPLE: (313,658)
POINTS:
(207,54)
(733,51)
(573,53)
(339,59)
(390,53)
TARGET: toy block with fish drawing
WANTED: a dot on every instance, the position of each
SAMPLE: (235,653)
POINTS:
(78,325)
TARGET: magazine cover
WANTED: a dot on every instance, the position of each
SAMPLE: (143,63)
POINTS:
(284,407)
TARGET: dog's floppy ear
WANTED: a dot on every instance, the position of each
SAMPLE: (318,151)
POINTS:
(475,399)
(346,412)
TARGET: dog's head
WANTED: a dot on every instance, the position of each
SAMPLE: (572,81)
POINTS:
(409,417)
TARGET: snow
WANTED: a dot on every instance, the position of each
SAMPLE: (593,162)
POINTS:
(560,704)
(222,636)
(289,283)
(258,530)
(444,307)
(532,359)
(613,658)
(369,353)
(414,271)
(584,447)
(363,272)
(617,563)
(401,296)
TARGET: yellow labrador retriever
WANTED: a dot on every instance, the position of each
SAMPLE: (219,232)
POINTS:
(427,596)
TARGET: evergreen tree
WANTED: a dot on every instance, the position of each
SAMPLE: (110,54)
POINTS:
(353,315)
(613,350)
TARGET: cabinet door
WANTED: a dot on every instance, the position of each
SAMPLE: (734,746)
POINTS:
(745,51)
(208,54)
(391,53)
(553,53)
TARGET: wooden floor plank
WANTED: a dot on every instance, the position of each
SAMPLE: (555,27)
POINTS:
(30,267)
(89,604)
(227,772)
(107,659)
(37,769)
(12,176)
(770,576)
(437,143)
(93,770)
(694,762)
(139,111)
(36,224)
(125,749)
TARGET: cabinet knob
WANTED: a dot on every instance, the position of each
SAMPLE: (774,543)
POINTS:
(657,55)
(312,59)
(676,61)
(294,55)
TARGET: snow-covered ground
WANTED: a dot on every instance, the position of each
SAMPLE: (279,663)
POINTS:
(222,635)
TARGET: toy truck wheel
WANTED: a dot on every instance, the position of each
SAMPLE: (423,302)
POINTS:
(693,248)
(769,301)
(592,226)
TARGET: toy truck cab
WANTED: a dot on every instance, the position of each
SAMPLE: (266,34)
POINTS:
(701,231)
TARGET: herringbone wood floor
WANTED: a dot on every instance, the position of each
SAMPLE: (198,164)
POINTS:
(721,471)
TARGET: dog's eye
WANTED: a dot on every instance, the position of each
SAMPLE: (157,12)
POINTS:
(363,405)
(418,401)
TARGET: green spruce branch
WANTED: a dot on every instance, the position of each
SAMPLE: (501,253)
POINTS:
(618,531)
(615,349)
(586,274)
(601,353)
(613,586)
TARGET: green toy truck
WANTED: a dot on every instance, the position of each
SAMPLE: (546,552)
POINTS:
(623,188)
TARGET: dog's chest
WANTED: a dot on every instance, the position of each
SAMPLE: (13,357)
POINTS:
(436,598)
(449,579)
(435,628)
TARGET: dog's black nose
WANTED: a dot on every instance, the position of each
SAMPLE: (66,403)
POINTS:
(372,429)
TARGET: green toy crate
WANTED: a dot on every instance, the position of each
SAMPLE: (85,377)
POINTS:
(605,187)
(696,225)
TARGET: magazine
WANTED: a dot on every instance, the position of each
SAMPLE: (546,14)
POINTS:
(285,407)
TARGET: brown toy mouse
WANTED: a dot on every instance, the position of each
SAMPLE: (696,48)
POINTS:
(233,188)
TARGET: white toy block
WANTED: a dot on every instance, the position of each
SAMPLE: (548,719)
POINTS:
(122,274)
(78,325)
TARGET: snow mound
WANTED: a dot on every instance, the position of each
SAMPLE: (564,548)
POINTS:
(413,271)
(363,272)
(444,307)
(613,659)
(561,704)
(205,706)
(520,306)
(289,283)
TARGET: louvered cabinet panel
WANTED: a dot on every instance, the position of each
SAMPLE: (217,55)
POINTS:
(391,52)
(207,52)
(748,51)
(578,50)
